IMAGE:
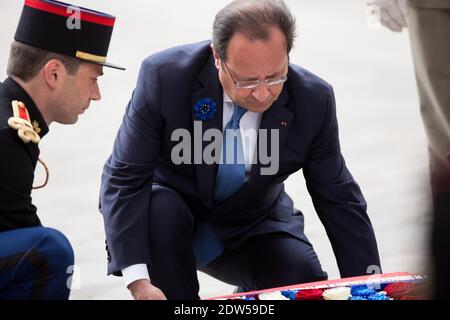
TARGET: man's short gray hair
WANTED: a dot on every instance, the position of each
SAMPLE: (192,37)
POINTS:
(26,61)
(252,18)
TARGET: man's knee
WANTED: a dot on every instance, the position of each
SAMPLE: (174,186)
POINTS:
(299,270)
(168,208)
(307,269)
(305,263)
(39,261)
(293,262)
(57,249)
(46,242)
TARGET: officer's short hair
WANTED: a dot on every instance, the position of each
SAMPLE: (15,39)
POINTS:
(26,61)
(252,18)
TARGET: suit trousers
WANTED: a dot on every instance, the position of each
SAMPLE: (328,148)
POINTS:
(35,264)
(264,261)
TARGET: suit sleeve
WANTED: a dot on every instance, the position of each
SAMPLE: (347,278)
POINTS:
(128,173)
(339,201)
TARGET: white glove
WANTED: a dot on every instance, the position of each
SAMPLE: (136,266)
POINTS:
(390,13)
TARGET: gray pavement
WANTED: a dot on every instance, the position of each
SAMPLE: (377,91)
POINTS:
(381,133)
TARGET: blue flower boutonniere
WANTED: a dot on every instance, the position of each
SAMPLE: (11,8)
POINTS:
(205,109)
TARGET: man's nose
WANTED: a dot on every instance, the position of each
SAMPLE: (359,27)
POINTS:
(261,92)
(96,96)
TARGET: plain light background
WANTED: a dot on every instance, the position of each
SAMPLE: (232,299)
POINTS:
(382,136)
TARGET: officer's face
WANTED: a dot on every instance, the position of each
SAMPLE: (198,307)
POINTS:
(249,60)
(77,92)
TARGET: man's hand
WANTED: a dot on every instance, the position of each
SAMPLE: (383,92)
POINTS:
(144,290)
(390,13)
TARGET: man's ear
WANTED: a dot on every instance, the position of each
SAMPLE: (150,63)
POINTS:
(216,57)
(53,72)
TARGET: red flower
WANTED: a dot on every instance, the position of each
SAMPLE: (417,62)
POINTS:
(310,294)
(404,291)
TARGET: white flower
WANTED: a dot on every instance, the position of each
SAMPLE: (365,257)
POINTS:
(340,293)
(276,295)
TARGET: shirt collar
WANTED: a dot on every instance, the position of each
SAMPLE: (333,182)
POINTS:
(226,98)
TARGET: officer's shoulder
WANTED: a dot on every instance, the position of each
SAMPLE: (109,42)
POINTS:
(7,137)
(9,109)
(6,111)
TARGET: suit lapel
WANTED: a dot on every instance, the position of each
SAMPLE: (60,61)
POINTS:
(207,86)
(277,117)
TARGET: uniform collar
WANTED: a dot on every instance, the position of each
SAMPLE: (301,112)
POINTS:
(18,93)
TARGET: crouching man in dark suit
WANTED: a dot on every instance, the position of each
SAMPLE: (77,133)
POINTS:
(174,200)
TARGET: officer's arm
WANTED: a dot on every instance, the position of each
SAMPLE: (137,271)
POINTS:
(16,179)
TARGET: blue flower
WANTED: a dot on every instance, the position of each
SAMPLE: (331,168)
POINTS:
(362,290)
(290,294)
(205,109)
(378,296)
(357,298)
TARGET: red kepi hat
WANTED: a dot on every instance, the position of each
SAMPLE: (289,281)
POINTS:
(66,29)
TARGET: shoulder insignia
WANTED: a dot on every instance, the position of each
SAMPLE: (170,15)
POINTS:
(21,122)
(36,126)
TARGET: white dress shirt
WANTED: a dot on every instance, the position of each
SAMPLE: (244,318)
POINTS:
(249,125)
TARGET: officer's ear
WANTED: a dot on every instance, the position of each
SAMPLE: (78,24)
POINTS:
(54,72)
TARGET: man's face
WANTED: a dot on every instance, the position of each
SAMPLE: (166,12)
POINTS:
(76,93)
(249,60)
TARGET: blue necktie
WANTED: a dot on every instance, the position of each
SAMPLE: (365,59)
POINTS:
(229,179)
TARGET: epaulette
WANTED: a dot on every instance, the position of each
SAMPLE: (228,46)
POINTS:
(21,122)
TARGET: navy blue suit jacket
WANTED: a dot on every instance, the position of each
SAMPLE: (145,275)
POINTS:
(169,84)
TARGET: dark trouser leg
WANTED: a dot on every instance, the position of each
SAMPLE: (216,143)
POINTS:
(440,183)
(441,246)
(267,261)
(34,264)
(172,264)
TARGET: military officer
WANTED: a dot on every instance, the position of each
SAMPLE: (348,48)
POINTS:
(58,53)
